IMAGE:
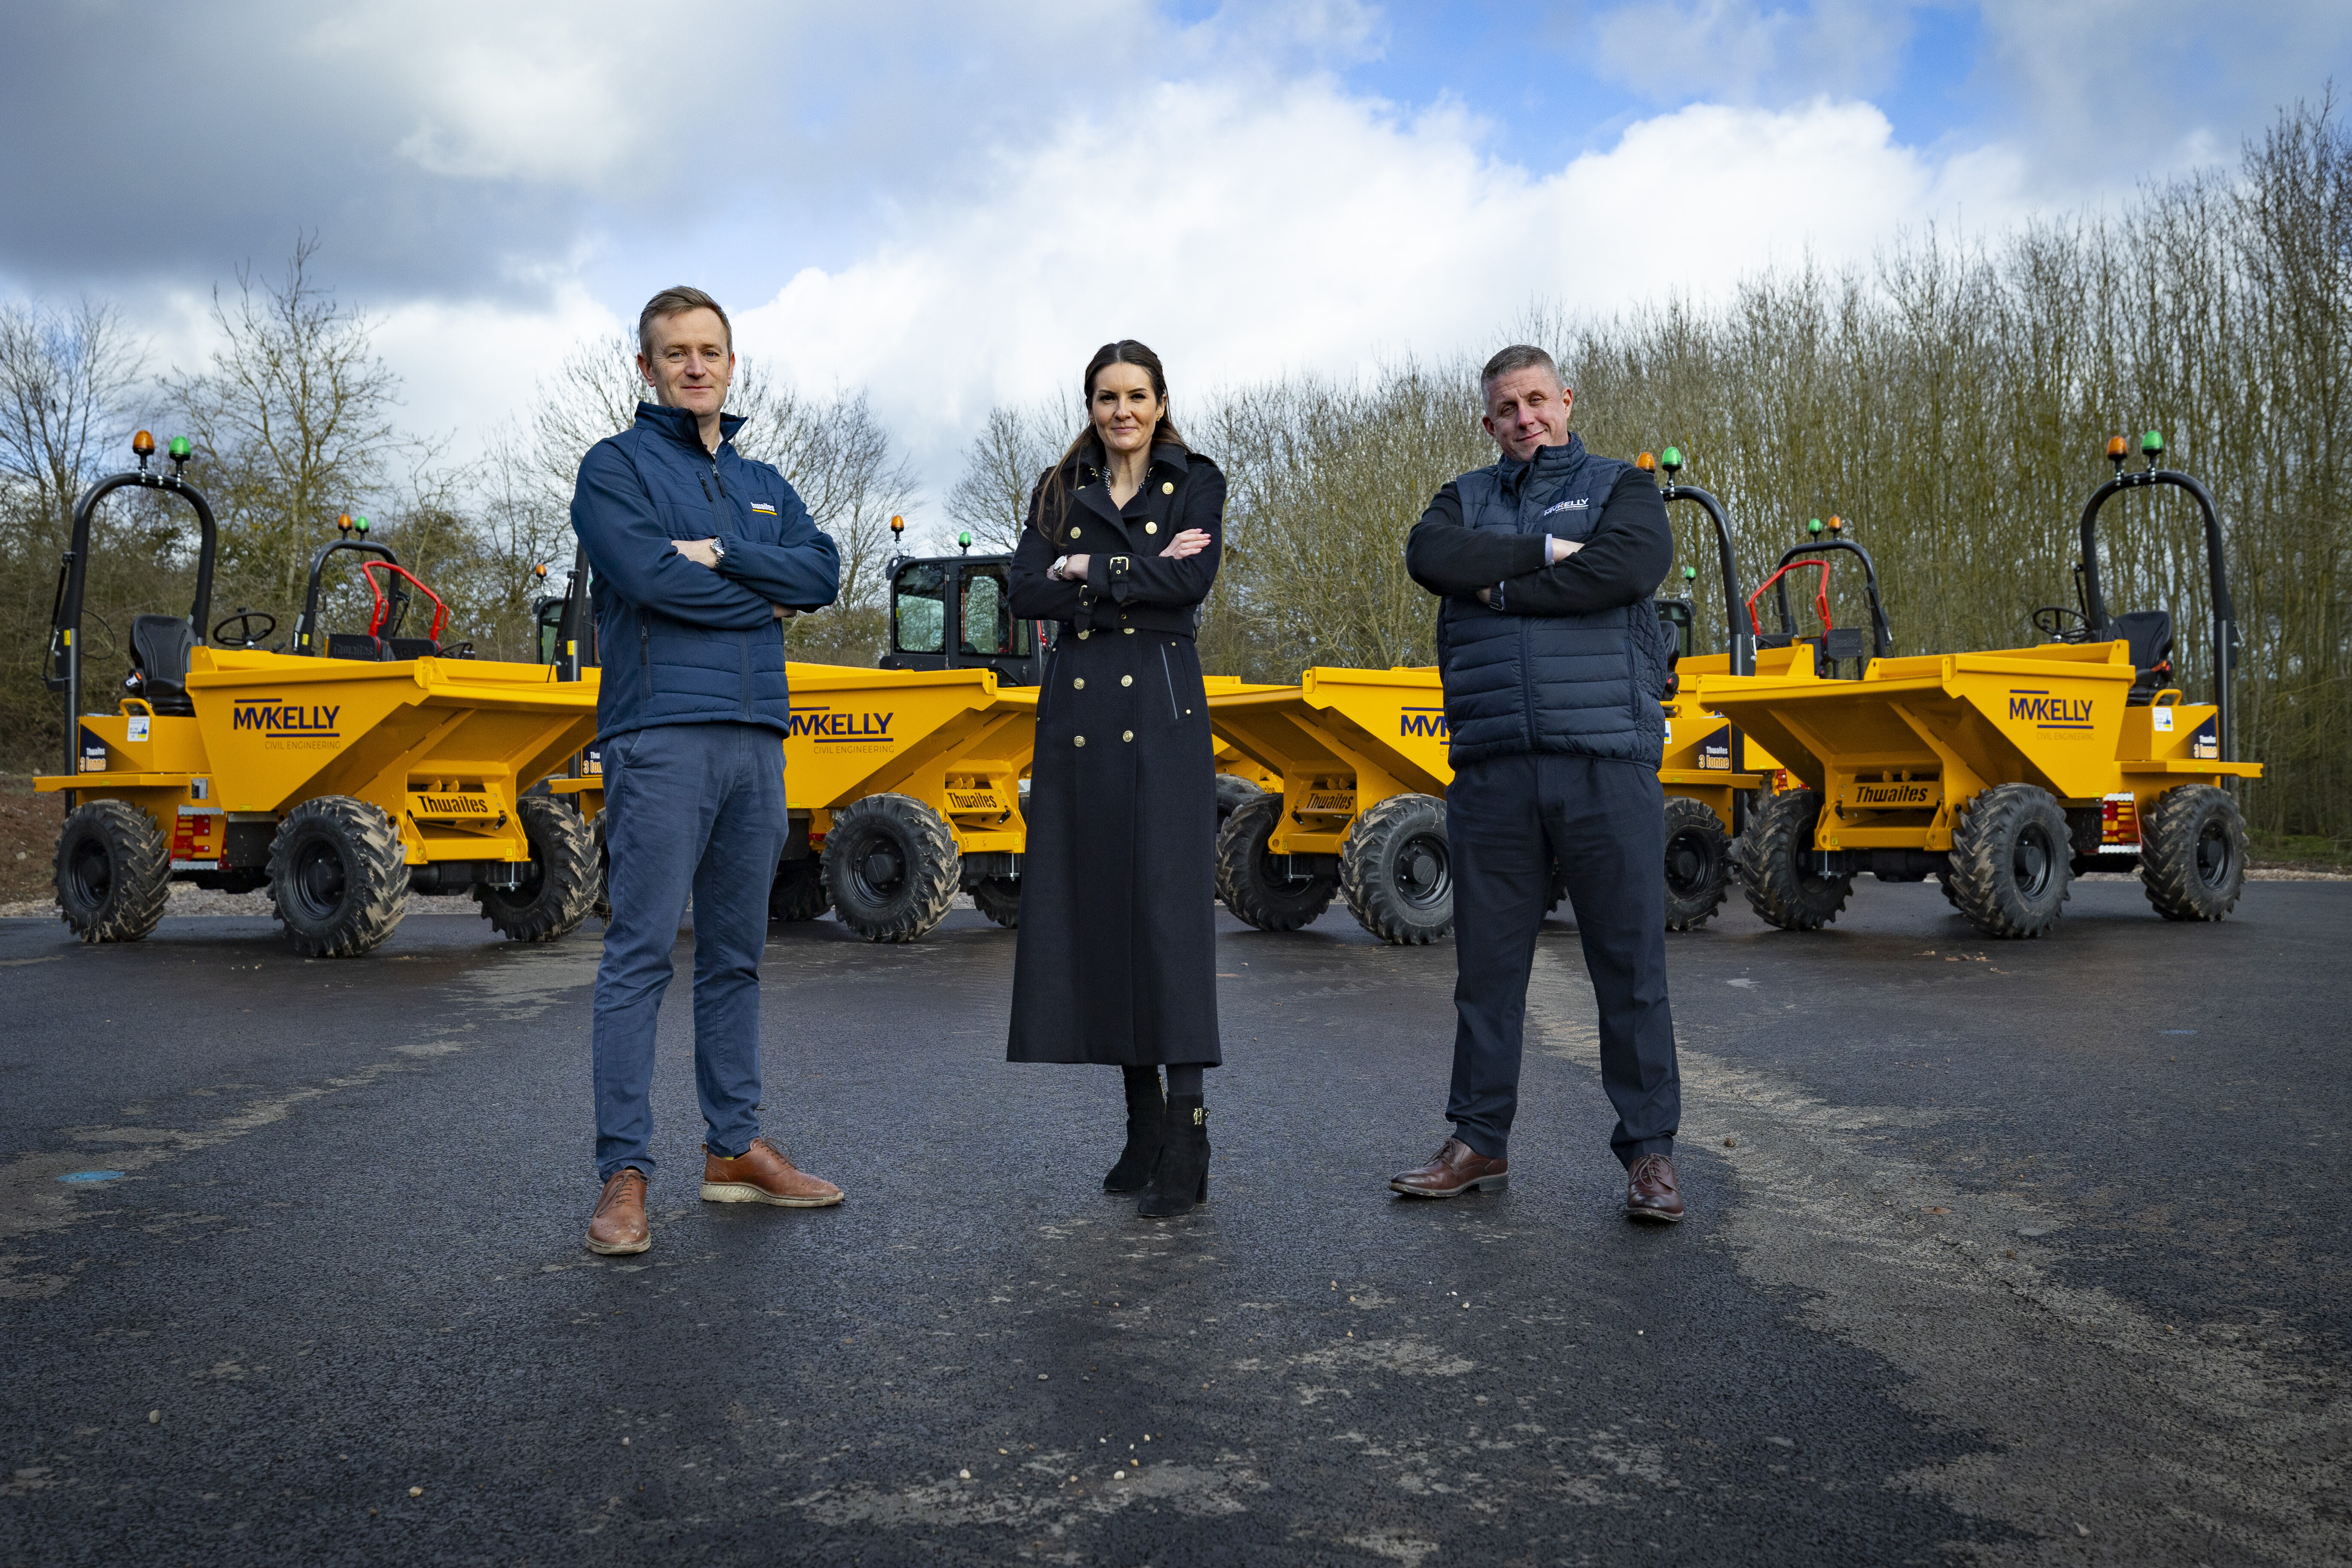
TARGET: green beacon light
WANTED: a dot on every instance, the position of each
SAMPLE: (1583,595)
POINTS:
(2151,446)
(180,450)
(963,540)
(1815,527)
(359,526)
(1690,574)
(1671,459)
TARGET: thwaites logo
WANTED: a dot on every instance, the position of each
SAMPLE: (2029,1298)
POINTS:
(1715,750)
(455,804)
(277,719)
(1329,804)
(1892,796)
(1427,723)
(2044,712)
(973,800)
(835,726)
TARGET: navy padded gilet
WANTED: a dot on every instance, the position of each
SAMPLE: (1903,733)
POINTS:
(1586,684)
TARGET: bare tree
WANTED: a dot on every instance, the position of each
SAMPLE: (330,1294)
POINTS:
(294,420)
(1016,445)
(64,377)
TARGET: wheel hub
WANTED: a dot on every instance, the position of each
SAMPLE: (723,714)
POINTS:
(319,882)
(881,869)
(1687,863)
(1424,873)
(92,870)
(2032,863)
(2214,854)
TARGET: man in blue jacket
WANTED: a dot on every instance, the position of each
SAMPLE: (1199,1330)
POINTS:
(698,556)
(1553,662)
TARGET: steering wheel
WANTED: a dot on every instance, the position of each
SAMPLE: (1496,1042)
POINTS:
(2050,620)
(246,636)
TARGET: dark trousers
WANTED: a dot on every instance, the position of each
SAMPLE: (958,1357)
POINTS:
(1506,819)
(698,809)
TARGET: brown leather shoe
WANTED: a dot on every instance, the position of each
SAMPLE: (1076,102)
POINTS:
(762,1174)
(618,1225)
(1453,1169)
(1650,1190)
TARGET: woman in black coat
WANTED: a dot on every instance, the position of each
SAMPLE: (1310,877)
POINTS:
(1116,960)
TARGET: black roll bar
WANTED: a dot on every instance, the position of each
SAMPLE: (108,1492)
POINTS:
(2225,619)
(64,673)
(306,630)
(576,627)
(1882,637)
(1743,639)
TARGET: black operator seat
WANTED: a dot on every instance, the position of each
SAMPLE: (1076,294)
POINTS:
(160,648)
(414,647)
(356,644)
(2150,634)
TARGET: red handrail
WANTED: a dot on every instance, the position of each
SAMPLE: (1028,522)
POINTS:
(1820,594)
(368,569)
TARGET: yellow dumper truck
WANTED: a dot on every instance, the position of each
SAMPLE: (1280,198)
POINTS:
(339,775)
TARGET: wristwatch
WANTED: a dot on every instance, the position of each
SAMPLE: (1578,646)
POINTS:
(718,547)
(1056,569)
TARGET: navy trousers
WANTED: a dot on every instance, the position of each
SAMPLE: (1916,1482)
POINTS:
(1506,819)
(699,809)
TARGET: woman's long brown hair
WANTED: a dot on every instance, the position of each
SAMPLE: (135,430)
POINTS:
(1053,511)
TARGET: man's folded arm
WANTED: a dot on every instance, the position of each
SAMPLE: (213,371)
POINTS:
(1454,562)
(1632,548)
(802,570)
(630,550)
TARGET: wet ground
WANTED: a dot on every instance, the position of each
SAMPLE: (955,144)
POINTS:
(2003,1252)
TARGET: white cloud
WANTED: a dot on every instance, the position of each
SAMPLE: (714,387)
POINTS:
(1258,232)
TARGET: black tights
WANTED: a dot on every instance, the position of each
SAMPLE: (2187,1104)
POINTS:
(1183,1077)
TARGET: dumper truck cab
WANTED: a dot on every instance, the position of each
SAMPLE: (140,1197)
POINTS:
(340,769)
(954,612)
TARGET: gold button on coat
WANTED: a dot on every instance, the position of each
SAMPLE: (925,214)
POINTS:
(1083,635)
(1127,735)
(1077,739)
(1123,680)
(1168,487)
(1131,631)
(1074,533)
(1150,528)
(1079,684)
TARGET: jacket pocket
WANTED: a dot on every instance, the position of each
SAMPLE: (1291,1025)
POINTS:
(1168,672)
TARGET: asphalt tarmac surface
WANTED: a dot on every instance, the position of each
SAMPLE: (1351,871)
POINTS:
(2011,1253)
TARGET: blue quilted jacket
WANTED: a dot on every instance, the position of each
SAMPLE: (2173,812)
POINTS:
(682,644)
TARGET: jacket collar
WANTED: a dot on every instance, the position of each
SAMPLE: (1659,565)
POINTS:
(1088,466)
(1547,463)
(683,428)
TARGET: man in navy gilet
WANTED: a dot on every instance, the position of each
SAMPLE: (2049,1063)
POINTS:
(698,556)
(1554,664)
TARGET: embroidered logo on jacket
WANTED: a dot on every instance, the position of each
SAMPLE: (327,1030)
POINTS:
(763,506)
(1578,504)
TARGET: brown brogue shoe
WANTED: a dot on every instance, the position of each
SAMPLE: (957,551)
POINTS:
(618,1225)
(760,1174)
(1453,1169)
(1650,1189)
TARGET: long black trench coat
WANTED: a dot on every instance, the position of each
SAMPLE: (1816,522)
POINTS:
(1116,960)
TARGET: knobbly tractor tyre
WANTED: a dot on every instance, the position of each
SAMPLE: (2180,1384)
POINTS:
(338,877)
(1396,871)
(798,892)
(113,872)
(891,867)
(1698,863)
(2012,862)
(2192,853)
(1774,871)
(1232,793)
(1260,888)
(559,889)
(999,898)
(602,905)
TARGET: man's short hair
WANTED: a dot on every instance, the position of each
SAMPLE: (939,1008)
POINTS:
(1519,356)
(677,301)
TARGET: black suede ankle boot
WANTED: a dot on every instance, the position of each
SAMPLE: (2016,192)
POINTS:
(1145,1111)
(1182,1180)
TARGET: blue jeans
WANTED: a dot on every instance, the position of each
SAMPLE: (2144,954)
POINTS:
(699,808)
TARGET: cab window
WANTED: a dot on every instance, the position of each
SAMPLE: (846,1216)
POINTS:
(919,609)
